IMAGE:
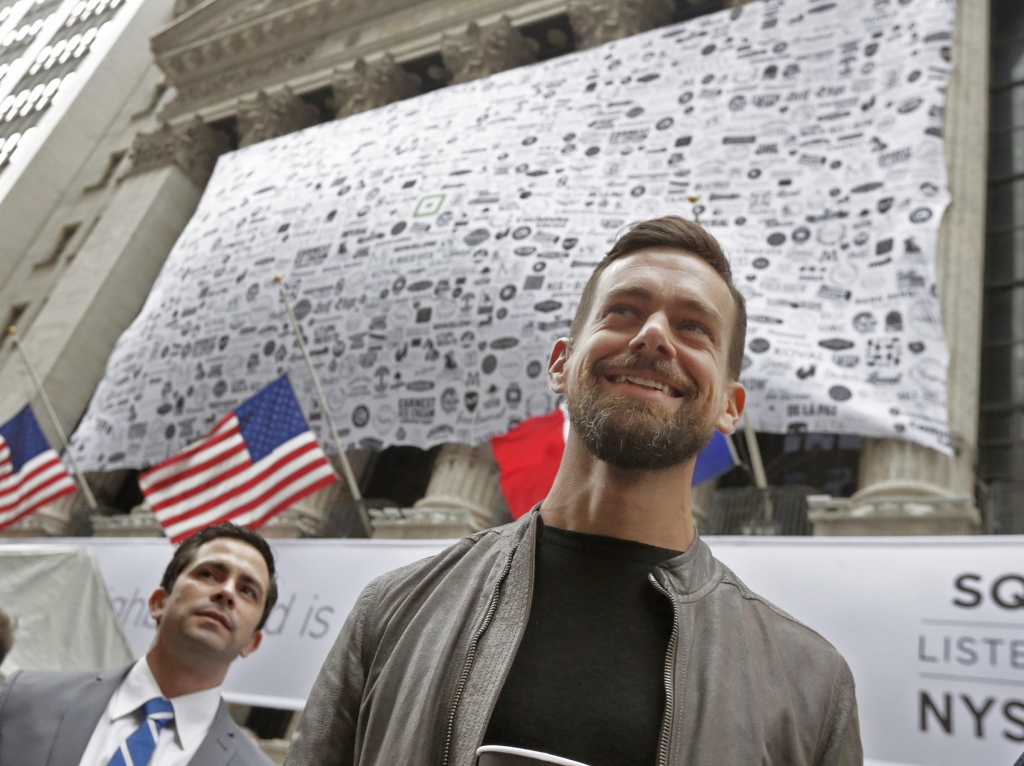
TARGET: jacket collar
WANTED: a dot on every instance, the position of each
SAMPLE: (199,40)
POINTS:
(81,716)
(221,741)
(692,575)
(689,576)
(89,703)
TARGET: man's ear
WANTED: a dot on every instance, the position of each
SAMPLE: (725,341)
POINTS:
(556,365)
(735,401)
(253,645)
(157,603)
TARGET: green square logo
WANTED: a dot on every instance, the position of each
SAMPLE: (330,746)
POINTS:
(428,205)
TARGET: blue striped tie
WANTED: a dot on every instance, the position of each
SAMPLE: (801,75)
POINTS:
(139,747)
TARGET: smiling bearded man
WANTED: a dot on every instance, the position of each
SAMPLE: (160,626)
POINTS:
(629,433)
(598,628)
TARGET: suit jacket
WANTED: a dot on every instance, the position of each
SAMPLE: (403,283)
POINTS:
(48,717)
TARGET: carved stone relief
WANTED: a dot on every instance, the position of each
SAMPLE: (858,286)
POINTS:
(254,72)
(231,34)
(193,146)
(264,117)
(368,86)
(597,22)
(483,52)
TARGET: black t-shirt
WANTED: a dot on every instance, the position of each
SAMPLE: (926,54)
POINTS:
(588,680)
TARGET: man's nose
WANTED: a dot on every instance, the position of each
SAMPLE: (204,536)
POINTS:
(226,593)
(654,338)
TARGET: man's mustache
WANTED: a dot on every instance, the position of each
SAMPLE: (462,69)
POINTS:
(666,369)
(209,606)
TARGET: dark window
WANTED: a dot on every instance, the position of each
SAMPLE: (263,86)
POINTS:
(12,320)
(112,162)
(66,235)
(554,36)
(158,93)
(14,315)
(401,474)
(268,723)
(430,69)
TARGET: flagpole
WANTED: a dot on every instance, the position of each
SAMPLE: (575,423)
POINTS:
(350,478)
(760,478)
(82,483)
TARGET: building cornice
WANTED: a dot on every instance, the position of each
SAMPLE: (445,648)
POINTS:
(223,50)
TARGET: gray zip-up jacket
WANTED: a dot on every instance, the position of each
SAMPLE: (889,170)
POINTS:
(418,665)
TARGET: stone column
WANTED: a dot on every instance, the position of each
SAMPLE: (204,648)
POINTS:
(465,478)
(899,469)
(139,523)
(264,117)
(596,22)
(303,519)
(481,52)
(369,86)
(701,498)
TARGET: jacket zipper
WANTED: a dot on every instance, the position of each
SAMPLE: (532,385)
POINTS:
(492,607)
(670,661)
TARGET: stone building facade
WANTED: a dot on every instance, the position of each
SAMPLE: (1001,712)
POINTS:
(90,217)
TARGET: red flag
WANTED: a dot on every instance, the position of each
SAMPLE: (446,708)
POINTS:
(529,456)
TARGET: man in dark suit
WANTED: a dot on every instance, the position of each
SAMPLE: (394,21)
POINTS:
(166,709)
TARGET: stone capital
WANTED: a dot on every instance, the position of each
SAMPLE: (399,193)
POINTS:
(596,22)
(264,117)
(193,146)
(181,7)
(369,86)
(465,478)
(481,52)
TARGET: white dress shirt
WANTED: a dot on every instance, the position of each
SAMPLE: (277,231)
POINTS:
(178,741)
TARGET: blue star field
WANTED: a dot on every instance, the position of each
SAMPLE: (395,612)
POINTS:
(270,418)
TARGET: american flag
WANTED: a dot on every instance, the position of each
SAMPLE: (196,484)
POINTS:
(31,474)
(257,461)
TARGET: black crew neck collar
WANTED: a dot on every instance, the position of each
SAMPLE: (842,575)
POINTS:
(630,550)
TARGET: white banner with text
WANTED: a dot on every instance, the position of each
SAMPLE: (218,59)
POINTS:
(932,627)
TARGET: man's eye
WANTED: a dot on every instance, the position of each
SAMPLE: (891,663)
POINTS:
(694,327)
(624,310)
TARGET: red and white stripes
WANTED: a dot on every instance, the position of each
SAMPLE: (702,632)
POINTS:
(41,480)
(215,480)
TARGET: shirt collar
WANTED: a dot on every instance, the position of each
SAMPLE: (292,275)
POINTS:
(193,713)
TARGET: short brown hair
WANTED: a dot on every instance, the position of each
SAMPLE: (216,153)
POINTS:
(678,234)
(185,552)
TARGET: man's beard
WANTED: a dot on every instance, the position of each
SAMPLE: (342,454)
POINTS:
(631,433)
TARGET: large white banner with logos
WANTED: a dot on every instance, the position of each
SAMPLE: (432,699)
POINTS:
(435,248)
(932,627)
